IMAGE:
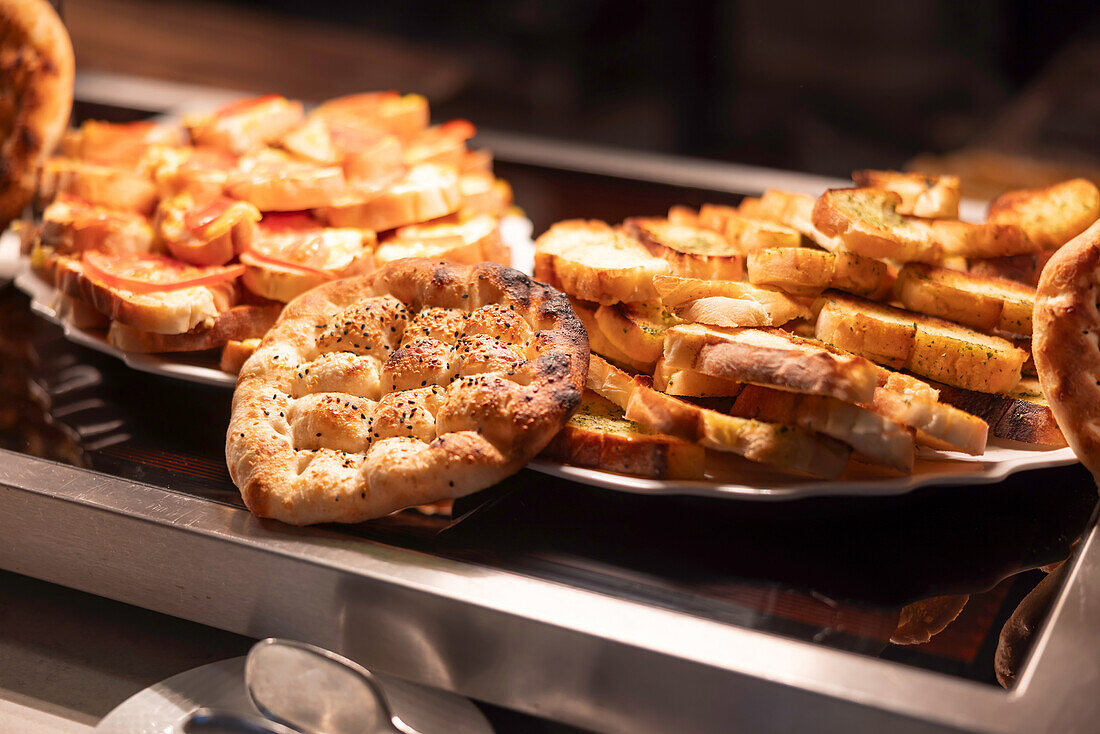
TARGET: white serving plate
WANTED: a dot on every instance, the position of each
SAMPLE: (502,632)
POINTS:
(736,478)
(196,367)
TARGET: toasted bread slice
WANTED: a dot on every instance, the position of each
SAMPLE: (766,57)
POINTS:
(292,253)
(591,261)
(791,449)
(426,192)
(803,271)
(120,144)
(746,233)
(273,181)
(921,196)
(937,425)
(164,312)
(237,323)
(401,115)
(866,222)
(208,233)
(125,189)
(930,347)
(793,210)
(875,438)
(246,124)
(1021,415)
(980,303)
(200,171)
(598,341)
(483,193)
(1024,269)
(691,384)
(236,353)
(981,240)
(771,358)
(727,303)
(691,251)
(371,159)
(71,225)
(898,398)
(636,329)
(443,144)
(883,335)
(471,241)
(600,437)
(1051,216)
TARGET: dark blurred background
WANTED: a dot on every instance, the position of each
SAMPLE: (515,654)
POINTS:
(1007,90)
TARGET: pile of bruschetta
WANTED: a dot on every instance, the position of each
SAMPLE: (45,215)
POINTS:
(178,237)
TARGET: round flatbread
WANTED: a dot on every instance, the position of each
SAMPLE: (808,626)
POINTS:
(424,381)
(1066,342)
(36,96)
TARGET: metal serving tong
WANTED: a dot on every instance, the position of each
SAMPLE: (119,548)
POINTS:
(304,689)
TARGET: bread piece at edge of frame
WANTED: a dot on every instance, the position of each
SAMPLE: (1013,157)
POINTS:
(1050,216)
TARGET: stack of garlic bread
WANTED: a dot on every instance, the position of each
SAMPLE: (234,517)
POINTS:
(187,237)
(807,332)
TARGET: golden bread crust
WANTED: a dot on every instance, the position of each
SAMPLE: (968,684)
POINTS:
(170,312)
(1067,355)
(598,436)
(867,222)
(236,353)
(36,96)
(317,433)
(236,324)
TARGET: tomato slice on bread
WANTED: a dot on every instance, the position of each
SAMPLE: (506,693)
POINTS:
(293,240)
(153,273)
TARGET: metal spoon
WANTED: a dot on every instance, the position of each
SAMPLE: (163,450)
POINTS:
(317,691)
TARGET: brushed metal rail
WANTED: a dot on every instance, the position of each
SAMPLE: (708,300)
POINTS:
(545,648)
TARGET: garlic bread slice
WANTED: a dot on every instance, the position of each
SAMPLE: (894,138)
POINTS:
(980,303)
(599,343)
(874,437)
(804,271)
(727,303)
(636,329)
(930,347)
(1022,414)
(1050,216)
(691,251)
(898,398)
(691,384)
(771,358)
(879,333)
(867,222)
(747,233)
(981,239)
(784,447)
(600,437)
(921,195)
(591,261)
